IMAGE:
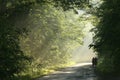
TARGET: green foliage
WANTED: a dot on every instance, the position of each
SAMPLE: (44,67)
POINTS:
(51,38)
(107,40)
(12,58)
(35,36)
(65,4)
(71,4)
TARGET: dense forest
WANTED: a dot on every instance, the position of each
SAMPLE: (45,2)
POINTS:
(106,40)
(37,36)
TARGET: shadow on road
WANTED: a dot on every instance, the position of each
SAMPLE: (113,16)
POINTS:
(77,72)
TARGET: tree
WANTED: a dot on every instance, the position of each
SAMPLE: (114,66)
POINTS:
(52,35)
(12,59)
(106,39)
(16,22)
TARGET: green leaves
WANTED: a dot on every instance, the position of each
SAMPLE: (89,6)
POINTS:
(107,35)
(36,31)
(52,35)
(11,56)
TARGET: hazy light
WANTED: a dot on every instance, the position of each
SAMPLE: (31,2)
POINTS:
(83,53)
(64,72)
(96,3)
(81,12)
(82,64)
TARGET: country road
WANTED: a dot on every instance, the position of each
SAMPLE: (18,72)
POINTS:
(83,71)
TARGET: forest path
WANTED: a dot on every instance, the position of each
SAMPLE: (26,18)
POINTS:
(81,71)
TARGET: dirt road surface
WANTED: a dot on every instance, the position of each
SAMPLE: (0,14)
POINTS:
(82,71)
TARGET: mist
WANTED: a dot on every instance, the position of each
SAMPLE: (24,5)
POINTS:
(83,53)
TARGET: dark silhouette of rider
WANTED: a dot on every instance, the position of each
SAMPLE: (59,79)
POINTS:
(94,61)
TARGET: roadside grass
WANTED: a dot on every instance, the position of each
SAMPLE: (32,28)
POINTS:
(32,75)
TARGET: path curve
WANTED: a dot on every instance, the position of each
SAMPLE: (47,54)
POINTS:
(82,71)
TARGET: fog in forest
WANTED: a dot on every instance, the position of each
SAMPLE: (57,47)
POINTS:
(83,53)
